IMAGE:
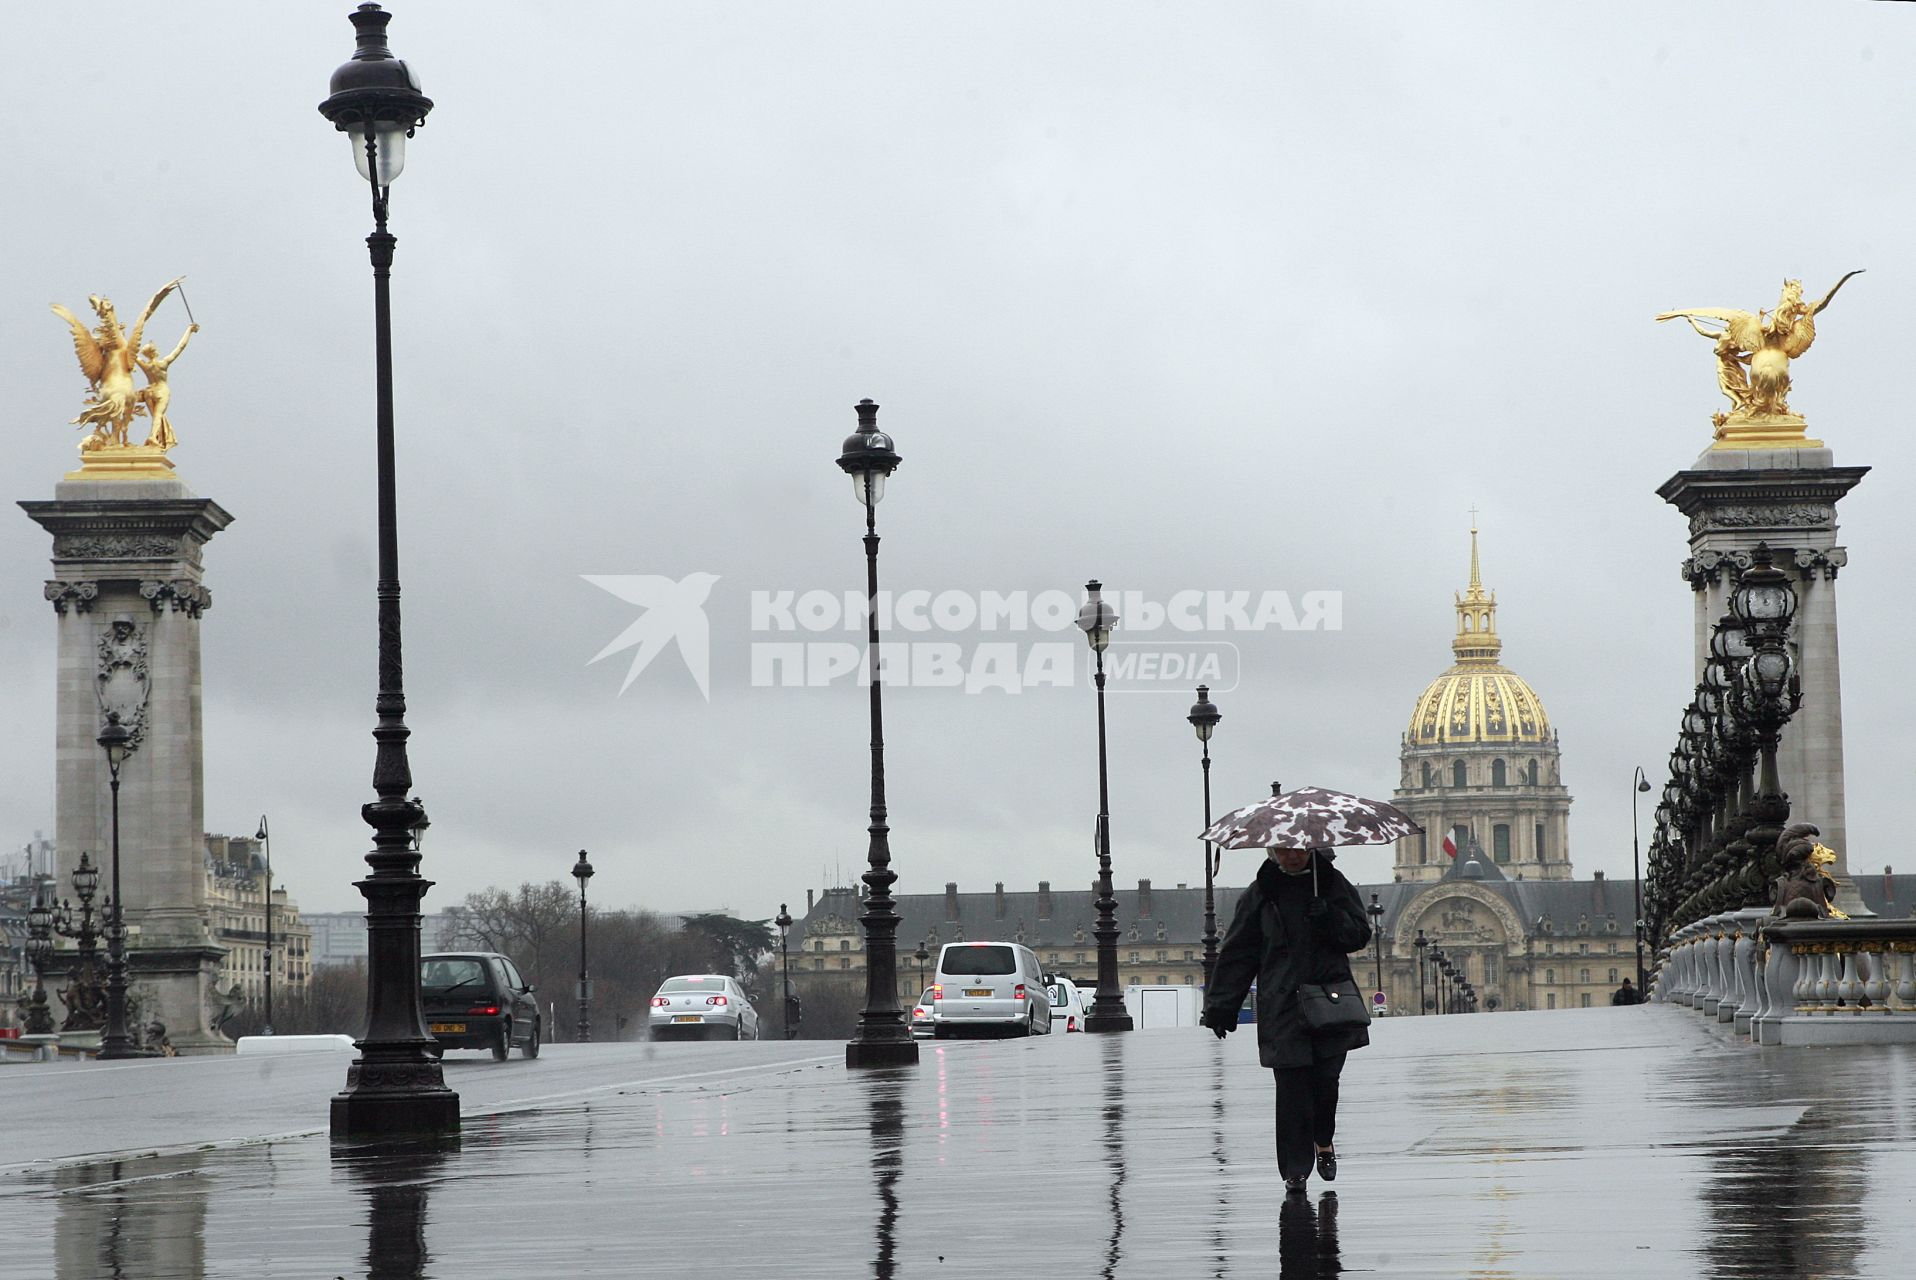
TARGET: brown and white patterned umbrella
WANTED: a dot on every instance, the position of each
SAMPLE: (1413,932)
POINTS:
(1311,818)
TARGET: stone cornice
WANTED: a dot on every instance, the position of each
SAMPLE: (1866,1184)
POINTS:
(1691,492)
(96,538)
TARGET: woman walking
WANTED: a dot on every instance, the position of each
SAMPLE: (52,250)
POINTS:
(1295,926)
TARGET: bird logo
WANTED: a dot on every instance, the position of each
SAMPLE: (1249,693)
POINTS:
(673,612)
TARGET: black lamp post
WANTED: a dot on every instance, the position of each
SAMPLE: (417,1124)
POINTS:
(923,957)
(117,741)
(1420,942)
(784,923)
(39,1018)
(1636,868)
(582,872)
(1437,963)
(882,1039)
(1096,618)
(1376,912)
(1204,717)
(396,1085)
(266,851)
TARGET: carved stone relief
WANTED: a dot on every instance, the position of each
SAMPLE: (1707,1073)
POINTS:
(121,681)
(80,595)
(185,595)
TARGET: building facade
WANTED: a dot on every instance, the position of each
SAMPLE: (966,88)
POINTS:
(236,904)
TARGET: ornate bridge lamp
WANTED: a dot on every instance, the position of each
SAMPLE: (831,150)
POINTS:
(882,1039)
(582,872)
(1204,718)
(1764,602)
(396,1085)
(784,923)
(1096,618)
(1420,942)
(117,1042)
(89,1013)
(1376,912)
(38,1017)
(1636,866)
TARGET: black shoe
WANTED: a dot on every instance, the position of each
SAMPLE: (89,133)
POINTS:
(1294,1186)
(1327,1165)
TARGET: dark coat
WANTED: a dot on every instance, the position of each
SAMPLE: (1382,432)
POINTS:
(1271,940)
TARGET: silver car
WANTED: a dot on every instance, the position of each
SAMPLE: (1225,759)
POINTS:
(702,1006)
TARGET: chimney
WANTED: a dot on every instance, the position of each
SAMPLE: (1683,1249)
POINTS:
(1889,886)
(1144,899)
(1044,899)
(808,902)
(951,899)
(998,900)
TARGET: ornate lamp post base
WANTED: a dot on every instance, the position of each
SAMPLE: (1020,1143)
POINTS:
(413,1104)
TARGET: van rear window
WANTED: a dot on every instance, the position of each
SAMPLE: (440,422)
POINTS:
(981,959)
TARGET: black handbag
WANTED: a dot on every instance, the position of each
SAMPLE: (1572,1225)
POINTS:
(1332,1006)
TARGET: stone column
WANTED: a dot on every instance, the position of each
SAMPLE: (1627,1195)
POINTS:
(127,598)
(1736,498)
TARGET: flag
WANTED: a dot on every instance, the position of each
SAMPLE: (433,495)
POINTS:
(1450,843)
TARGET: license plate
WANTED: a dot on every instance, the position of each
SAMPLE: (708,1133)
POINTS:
(984,992)
(687,1017)
(448,1028)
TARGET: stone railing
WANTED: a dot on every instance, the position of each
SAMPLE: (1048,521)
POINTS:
(1793,982)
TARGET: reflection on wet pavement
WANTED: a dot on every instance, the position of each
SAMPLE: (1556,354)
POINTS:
(1630,1142)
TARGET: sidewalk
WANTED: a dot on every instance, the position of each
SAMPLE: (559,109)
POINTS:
(1604,1142)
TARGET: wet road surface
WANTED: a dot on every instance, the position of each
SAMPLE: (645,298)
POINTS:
(1609,1142)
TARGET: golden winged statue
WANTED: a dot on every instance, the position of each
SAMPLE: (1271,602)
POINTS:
(1753,354)
(108,357)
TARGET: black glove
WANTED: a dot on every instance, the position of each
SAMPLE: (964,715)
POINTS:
(1317,909)
(1217,1024)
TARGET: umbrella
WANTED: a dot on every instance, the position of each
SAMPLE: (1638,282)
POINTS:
(1310,818)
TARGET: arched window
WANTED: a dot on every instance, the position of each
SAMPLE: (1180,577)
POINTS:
(1500,840)
(1430,776)
(1457,773)
(1499,777)
(1531,773)
(1423,846)
(1542,852)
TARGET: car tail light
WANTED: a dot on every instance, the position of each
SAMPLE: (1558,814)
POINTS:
(1018,992)
(482,1010)
(1071,1023)
(716,1000)
(938,991)
(659,1002)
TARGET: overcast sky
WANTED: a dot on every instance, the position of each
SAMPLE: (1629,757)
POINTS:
(1210,297)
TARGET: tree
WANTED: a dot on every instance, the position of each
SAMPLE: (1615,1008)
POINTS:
(530,925)
(733,945)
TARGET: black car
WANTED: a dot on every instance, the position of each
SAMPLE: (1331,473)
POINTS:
(478,1000)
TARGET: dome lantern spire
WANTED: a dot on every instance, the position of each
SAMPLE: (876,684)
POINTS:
(1476,640)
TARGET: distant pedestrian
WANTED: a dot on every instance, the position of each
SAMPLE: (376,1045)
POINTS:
(1626,994)
(1296,925)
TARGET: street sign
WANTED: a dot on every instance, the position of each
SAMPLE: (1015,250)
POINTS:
(1377,1001)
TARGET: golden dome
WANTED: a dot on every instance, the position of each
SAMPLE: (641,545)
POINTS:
(1478,699)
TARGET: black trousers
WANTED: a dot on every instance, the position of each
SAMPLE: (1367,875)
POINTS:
(1306,1113)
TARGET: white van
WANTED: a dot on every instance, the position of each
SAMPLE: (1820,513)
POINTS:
(995,986)
(1067,1005)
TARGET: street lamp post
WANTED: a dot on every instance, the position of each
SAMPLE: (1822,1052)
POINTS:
(582,872)
(266,850)
(117,741)
(882,1039)
(396,1085)
(1420,942)
(1096,618)
(1437,977)
(1376,912)
(784,923)
(1204,717)
(1636,869)
(39,1018)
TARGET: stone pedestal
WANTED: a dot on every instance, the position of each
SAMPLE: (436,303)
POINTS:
(127,598)
(1736,498)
